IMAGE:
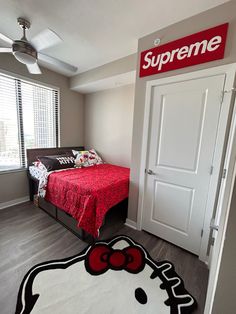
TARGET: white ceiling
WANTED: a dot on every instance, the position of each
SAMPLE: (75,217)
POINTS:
(96,32)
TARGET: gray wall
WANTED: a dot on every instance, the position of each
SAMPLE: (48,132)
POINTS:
(210,18)
(108,117)
(224,302)
(14,185)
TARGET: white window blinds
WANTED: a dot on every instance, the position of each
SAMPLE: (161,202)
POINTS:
(28,119)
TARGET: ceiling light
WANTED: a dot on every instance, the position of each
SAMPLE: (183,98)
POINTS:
(24,57)
(24,52)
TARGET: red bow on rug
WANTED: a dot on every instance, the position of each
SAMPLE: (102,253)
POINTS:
(102,257)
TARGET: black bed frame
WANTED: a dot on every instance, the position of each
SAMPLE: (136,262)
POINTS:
(34,153)
(60,215)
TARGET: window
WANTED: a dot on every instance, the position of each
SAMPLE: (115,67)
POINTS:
(28,119)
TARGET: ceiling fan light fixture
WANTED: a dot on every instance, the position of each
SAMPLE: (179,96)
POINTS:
(24,52)
(24,57)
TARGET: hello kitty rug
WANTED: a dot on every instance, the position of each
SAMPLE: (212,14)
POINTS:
(115,276)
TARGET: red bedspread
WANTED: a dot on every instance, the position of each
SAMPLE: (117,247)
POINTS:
(88,193)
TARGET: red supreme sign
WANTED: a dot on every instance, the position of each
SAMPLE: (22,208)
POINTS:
(197,48)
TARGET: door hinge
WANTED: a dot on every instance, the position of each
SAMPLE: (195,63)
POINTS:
(233,89)
(211,170)
(212,242)
(213,226)
(201,233)
(224,173)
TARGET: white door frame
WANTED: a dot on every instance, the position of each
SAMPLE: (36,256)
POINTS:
(229,70)
(224,203)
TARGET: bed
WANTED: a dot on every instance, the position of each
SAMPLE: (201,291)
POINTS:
(80,198)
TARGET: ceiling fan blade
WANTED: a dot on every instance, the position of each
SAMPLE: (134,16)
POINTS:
(6,39)
(45,39)
(63,65)
(2,49)
(33,68)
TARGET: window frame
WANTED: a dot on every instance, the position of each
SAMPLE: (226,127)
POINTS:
(20,78)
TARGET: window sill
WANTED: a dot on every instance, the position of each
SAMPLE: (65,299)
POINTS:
(12,170)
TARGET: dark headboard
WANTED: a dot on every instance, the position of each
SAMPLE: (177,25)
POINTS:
(33,153)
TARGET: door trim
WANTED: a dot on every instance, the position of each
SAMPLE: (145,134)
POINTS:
(224,122)
(224,203)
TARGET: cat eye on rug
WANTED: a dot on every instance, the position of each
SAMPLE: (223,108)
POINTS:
(113,276)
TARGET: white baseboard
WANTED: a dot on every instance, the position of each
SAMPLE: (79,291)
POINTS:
(130,223)
(14,202)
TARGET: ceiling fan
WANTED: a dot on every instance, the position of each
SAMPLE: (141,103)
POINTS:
(29,52)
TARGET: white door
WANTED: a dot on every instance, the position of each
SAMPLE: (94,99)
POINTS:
(182,134)
(223,211)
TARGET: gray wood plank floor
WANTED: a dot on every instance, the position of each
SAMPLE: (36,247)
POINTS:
(29,236)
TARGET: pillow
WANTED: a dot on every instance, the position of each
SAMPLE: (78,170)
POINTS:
(57,162)
(87,158)
(75,152)
(39,165)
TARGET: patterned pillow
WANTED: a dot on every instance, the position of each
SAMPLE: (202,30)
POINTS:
(57,162)
(38,164)
(77,152)
(87,158)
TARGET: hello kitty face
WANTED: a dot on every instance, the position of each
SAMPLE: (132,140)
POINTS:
(108,277)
